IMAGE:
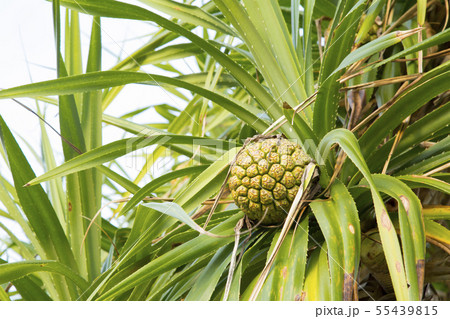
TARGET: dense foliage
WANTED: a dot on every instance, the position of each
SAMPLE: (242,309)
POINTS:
(362,86)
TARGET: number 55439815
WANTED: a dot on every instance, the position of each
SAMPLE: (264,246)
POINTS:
(406,310)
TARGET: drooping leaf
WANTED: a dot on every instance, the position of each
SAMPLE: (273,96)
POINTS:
(339,221)
(347,141)
(17,270)
(106,79)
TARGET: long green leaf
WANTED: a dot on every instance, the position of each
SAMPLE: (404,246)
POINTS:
(436,212)
(165,54)
(207,183)
(421,130)
(339,222)
(192,269)
(425,165)
(268,65)
(337,49)
(155,183)
(35,203)
(206,283)
(119,148)
(369,20)
(285,280)
(115,9)
(432,84)
(82,199)
(417,181)
(100,80)
(373,47)
(278,41)
(350,146)
(437,232)
(317,280)
(176,211)
(177,257)
(438,38)
(28,289)
(412,230)
(191,14)
(17,270)
(242,20)
(56,191)
(308,67)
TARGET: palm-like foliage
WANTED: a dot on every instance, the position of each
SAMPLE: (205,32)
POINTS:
(367,98)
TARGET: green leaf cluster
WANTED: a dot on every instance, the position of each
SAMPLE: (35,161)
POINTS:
(361,85)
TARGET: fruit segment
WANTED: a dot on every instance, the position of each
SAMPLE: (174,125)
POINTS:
(265,177)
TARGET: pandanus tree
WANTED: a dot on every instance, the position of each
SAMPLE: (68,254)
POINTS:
(360,86)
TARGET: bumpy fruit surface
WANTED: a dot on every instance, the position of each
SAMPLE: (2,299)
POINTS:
(266,177)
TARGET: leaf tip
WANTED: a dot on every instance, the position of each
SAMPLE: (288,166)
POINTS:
(30,183)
